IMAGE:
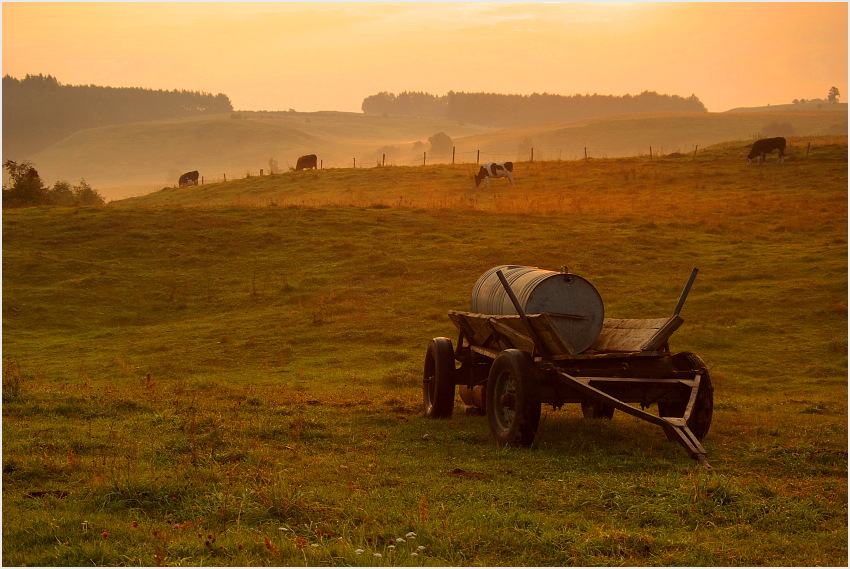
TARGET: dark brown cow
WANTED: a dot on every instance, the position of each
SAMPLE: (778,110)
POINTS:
(766,146)
(307,162)
(188,179)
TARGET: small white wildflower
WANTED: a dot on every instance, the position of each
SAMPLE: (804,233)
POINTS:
(414,554)
(358,552)
(377,555)
(399,540)
(314,545)
(420,548)
(410,535)
(391,547)
(282,529)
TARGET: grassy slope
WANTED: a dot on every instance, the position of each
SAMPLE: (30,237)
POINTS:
(148,156)
(284,346)
(136,159)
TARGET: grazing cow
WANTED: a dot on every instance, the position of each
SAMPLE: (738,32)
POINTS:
(767,146)
(494,170)
(188,179)
(307,162)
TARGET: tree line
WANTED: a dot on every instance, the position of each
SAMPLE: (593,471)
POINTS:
(492,109)
(38,110)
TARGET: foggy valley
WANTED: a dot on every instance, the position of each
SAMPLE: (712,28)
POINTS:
(127,142)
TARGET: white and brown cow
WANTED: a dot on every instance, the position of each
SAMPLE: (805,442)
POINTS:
(495,170)
(767,146)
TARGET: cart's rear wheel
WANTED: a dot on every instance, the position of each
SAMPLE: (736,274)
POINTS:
(513,399)
(700,420)
(438,387)
(596,410)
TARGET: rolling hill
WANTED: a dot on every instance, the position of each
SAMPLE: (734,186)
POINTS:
(139,158)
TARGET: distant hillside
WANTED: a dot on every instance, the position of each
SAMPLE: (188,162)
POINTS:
(131,159)
(808,105)
(39,111)
(493,109)
(629,135)
(135,159)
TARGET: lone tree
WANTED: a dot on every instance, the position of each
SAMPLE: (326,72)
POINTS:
(441,143)
(26,187)
(834,95)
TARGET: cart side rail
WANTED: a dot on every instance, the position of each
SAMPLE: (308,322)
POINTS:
(635,335)
(624,336)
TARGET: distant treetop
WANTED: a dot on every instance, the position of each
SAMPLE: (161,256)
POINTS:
(494,109)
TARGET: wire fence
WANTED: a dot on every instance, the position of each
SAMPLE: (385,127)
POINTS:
(426,158)
(475,157)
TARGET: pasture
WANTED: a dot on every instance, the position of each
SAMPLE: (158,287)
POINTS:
(231,374)
(134,159)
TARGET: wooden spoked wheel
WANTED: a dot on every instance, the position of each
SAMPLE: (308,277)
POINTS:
(438,386)
(700,420)
(513,399)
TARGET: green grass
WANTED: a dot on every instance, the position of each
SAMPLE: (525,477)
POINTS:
(214,380)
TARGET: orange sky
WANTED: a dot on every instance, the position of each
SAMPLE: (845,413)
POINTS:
(329,56)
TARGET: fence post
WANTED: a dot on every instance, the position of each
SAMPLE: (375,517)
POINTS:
(650,154)
(532,155)
(423,158)
(585,153)
(225,177)
(202,180)
(478,157)
(261,171)
(383,158)
(355,162)
(453,154)
(695,151)
(321,164)
(809,145)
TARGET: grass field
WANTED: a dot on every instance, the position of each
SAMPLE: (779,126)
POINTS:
(231,374)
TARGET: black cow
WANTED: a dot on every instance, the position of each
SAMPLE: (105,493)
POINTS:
(766,146)
(495,170)
(188,179)
(307,162)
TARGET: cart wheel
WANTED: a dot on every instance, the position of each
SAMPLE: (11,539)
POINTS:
(596,410)
(700,420)
(513,399)
(438,387)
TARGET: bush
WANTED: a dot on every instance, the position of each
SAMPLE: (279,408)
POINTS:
(27,189)
(777,129)
(86,195)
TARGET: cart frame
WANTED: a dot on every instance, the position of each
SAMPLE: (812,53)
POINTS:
(510,365)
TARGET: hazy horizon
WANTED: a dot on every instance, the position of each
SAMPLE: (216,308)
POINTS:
(315,56)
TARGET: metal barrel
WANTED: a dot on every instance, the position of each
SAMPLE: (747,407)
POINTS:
(573,302)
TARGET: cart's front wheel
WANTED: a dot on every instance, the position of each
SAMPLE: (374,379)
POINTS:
(700,419)
(438,387)
(513,399)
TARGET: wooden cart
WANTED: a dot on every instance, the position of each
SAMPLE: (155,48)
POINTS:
(511,364)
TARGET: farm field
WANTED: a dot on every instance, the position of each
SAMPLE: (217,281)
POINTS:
(231,374)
